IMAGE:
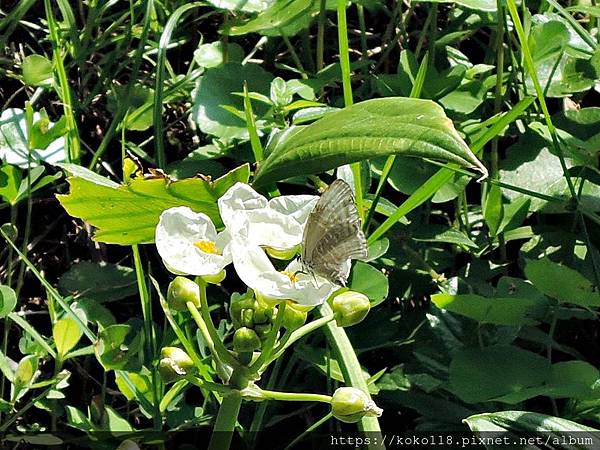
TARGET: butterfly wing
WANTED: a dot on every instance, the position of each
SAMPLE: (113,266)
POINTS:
(333,234)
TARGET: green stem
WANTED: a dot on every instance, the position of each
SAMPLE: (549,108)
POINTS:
(299,334)
(219,350)
(349,365)
(64,90)
(225,423)
(295,396)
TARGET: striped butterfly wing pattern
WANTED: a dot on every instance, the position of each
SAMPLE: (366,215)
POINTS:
(333,235)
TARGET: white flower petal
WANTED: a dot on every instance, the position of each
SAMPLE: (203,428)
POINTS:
(297,207)
(239,197)
(176,233)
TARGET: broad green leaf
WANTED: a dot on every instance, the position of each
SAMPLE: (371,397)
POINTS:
(76,419)
(99,281)
(562,283)
(25,372)
(378,127)
(37,71)
(369,281)
(497,310)
(8,300)
(213,54)
(14,141)
(128,214)
(530,165)
(66,334)
(216,90)
(141,381)
(136,101)
(527,423)
(118,345)
(114,422)
(496,371)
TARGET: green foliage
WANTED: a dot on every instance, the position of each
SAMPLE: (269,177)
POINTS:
(374,128)
(115,204)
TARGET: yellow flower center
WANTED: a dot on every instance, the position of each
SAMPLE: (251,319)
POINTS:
(206,246)
(291,275)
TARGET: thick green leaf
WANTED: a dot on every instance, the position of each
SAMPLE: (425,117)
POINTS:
(37,71)
(369,281)
(493,212)
(495,371)
(378,127)
(67,333)
(216,90)
(527,423)
(497,310)
(10,180)
(99,281)
(8,301)
(562,283)
(128,214)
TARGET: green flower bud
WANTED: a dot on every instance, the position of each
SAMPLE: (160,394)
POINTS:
(263,314)
(350,308)
(247,318)
(238,304)
(174,364)
(245,340)
(282,254)
(350,404)
(183,290)
(263,329)
(215,279)
(293,318)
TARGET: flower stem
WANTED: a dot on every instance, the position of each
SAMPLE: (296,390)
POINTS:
(295,396)
(270,342)
(349,365)
(225,423)
(207,328)
(299,334)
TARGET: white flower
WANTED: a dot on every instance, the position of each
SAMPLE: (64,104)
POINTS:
(277,223)
(256,270)
(189,244)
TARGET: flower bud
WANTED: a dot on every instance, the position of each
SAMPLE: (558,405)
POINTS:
(263,314)
(263,329)
(183,290)
(174,364)
(293,318)
(350,308)
(285,254)
(350,404)
(247,318)
(245,340)
(238,304)
(215,279)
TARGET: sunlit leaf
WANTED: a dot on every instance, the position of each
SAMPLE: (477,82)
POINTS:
(378,127)
(128,213)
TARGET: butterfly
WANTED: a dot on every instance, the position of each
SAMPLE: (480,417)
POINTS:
(332,235)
